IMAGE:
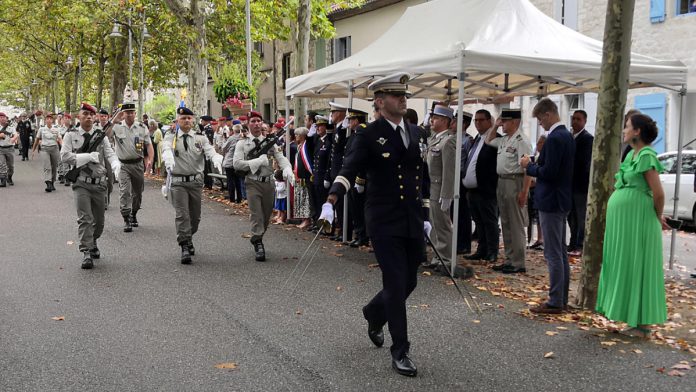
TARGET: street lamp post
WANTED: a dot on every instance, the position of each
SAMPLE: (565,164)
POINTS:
(144,34)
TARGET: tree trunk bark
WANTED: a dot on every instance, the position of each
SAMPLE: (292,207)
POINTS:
(304,19)
(100,76)
(198,69)
(119,75)
(67,84)
(606,154)
(76,82)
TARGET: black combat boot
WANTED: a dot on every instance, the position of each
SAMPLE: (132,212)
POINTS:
(94,252)
(134,220)
(127,227)
(259,249)
(53,187)
(185,254)
(3,182)
(192,250)
(87,262)
(48,186)
(9,181)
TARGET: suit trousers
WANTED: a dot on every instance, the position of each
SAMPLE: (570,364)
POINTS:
(513,220)
(356,207)
(484,211)
(464,224)
(554,230)
(398,259)
(6,162)
(131,184)
(441,235)
(261,197)
(51,159)
(26,144)
(186,200)
(234,186)
(89,202)
(576,220)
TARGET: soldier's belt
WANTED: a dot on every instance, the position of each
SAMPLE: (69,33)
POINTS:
(510,176)
(190,178)
(259,178)
(11,145)
(92,180)
(130,161)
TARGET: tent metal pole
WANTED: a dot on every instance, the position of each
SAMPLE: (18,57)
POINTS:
(287,151)
(345,197)
(457,163)
(680,147)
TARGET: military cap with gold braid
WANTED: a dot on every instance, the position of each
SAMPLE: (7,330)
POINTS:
(394,84)
(353,113)
(184,111)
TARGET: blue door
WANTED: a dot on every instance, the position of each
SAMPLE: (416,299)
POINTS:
(655,106)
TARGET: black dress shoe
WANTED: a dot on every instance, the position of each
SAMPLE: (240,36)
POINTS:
(127,227)
(53,187)
(3,182)
(508,269)
(260,251)
(11,183)
(405,366)
(185,254)
(134,221)
(87,262)
(95,253)
(48,186)
(499,267)
(374,332)
(359,242)
(490,258)
(474,256)
(192,250)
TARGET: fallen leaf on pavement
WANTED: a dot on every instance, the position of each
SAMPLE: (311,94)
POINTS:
(637,351)
(226,365)
(551,333)
(70,242)
(584,328)
(675,373)
(427,273)
(246,235)
(608,343)
(298,311)
(682,366)
(562,328)
(548,355)
(477,321)
(373,265)
(339,288)
(660,370)
(58,318)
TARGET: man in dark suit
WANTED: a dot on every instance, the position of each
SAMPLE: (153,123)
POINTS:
(481,182)
(581,181)
(322,154)
(553,198)
(464,223)
(388,151)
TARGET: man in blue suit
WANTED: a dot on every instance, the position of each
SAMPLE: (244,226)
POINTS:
(553,198)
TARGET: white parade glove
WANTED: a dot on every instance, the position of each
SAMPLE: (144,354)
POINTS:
(427,227)
(327,213)
(256,164)
(327,184)
(82,159)
(445,204)
(360,188)
(168,159)
(116,167)
(289,175)
(345,123)
(94,156)
(217,162)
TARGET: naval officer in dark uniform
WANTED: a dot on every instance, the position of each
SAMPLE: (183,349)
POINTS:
(388,151)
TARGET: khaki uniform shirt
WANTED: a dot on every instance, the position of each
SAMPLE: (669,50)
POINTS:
(48,136)
(240,160)
(129,141)
(510,151)
(441,157)
(6,141)
(73,141)
(191,161)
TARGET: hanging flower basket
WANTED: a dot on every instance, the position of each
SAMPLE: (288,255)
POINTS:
(233,91)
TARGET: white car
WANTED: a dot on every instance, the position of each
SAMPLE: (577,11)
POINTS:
(686,208)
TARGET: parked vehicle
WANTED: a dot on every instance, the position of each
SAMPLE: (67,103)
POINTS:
(686,208)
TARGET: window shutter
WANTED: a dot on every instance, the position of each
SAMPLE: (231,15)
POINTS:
(655,106)
(657,11)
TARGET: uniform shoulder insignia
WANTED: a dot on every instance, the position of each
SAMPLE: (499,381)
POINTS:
(519,137)
(363,126)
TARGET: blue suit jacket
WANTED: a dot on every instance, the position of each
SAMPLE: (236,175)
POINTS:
(554,172)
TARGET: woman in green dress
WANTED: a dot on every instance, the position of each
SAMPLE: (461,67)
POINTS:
(631,285)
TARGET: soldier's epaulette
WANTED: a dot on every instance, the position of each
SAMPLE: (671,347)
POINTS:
(360,181)
(363,126)
(519,137)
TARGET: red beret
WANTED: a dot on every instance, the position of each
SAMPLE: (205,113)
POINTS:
(222,119)
(243,118)
(214,122)
(253,114)
(88,107)
(2,114)
(279,125)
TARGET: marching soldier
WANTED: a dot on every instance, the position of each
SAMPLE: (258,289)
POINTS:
(396,204)
(184,152)
(90,186)
(513,189)
(260,184)
(441,153)
(7,142)
(49,138)
(356,195)
(130,139)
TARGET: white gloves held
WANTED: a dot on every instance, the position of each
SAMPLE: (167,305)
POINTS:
(289,175)
(83,159)
(327,184)
(256,164)
(327,213)
(217,162)
(168,159)
(427,228)
(116,167)
(359,188)
(94,156)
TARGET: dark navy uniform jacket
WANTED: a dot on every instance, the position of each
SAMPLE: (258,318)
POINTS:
(396,177)
(322,153)
(338,150)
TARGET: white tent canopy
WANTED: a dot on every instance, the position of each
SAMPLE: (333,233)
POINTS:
(509,47)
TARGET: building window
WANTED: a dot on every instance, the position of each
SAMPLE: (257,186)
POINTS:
(258,48)
(341,48)
(566,12)
(267,111)
(286,67)
(686,6)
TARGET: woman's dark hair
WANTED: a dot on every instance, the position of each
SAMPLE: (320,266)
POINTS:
(646,126)
(278,174)
(411,116)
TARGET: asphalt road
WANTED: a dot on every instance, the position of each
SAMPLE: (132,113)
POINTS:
(141,321)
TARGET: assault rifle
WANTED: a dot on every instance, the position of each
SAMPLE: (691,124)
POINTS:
(263,148)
